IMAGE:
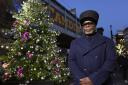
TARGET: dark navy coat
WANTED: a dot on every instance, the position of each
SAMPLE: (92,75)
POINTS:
(92,57)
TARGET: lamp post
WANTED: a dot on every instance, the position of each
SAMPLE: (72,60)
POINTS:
(111,31)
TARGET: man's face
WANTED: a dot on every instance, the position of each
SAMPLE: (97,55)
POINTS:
(88,27)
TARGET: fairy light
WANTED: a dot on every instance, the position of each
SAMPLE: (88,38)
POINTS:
(7,47)
(42,77)
(2,46)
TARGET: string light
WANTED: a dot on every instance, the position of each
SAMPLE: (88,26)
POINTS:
(42,78)
(31,79)
(22,48)
(2,46)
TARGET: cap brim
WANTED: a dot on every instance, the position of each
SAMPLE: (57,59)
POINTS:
(88,19)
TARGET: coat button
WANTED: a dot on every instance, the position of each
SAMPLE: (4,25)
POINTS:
(96,57)
(85,69)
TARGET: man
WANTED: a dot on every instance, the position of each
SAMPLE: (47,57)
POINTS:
(92,56)
(100,30)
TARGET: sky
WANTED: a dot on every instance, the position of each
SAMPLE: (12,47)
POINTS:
(112,12)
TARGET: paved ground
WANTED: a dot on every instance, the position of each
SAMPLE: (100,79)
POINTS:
(118,77)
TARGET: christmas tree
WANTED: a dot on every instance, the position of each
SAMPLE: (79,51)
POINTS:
(34,54)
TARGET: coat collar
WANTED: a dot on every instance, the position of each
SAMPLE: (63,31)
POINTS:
(96,40)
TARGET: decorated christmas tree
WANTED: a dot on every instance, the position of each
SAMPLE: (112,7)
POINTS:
(34,54)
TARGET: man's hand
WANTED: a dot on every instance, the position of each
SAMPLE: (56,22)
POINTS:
(5,65)
(85,81)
